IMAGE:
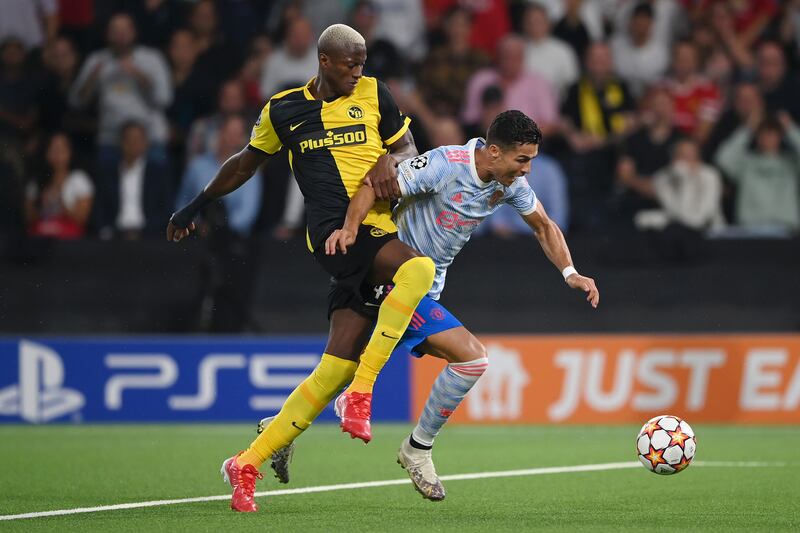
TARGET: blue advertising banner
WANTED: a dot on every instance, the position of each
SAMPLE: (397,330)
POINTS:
(153,379)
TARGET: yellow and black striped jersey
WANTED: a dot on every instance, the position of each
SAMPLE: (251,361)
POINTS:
(332,145)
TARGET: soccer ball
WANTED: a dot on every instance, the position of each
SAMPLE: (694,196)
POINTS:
(666,445)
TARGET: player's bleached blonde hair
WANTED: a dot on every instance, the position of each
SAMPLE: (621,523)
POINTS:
(339,37)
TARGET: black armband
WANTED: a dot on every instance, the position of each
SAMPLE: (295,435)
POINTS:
(183,217)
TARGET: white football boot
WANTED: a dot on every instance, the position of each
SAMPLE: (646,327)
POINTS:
(419,466)
(279,460)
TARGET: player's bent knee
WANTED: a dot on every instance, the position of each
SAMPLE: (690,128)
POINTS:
(471,370)
(477,348)
(420,271)
(471,350)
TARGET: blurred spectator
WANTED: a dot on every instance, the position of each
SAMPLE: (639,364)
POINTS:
(61,68)
(644,152)
(639,57)
(131,82)
(426,123)
(191,90)
(571,28)
(599,105)
(725,32)
(714,60)
(217,58)
(241,20)
(77,21)
(597,112)
(750,17)
(323,13)
(789,29)
(767,177)
(667,17)
(205,130)
(401,22)
(133,197)
(155,19)
(748,107)
(688,191)
(546,55)
(33,22)
(18,90)
(491,106)
(705,41)
(59,202)
(412,103)
(490,20)
(292,64)
(280,14)
(689,194)
(233,260)
(524,91)
(550,184)
(242,205)
(697,101)
(591,14)
(447,69)
(250,75)
(60,61)
(447,132)
(383,58)
(778,85)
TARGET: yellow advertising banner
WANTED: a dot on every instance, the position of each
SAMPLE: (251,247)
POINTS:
(628,378)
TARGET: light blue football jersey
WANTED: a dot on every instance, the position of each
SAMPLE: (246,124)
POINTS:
(444,200)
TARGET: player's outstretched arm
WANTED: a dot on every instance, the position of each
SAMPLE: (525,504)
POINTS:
(357,211)
(231,175)
(383,175)
(555,248)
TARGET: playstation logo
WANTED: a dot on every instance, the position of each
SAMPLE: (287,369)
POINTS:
(39,396)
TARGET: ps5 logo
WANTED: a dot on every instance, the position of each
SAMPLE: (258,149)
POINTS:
(40,395)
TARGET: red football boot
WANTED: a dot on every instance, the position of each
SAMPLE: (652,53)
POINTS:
(243,481)
(355,409)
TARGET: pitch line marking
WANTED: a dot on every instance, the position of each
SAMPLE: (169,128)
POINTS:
(373,484)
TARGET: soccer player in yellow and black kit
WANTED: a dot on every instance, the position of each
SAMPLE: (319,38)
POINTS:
(339,128)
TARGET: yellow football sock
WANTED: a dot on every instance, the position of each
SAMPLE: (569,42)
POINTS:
(412,281)
(302,406)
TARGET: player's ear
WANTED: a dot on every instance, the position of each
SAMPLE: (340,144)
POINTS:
(494,151)
(324,60)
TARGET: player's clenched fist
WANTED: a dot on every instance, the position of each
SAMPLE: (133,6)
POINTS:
(175,233)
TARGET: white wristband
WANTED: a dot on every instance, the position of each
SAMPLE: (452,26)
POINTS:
(568,271)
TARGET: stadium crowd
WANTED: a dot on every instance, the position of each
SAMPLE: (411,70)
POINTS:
(674,118)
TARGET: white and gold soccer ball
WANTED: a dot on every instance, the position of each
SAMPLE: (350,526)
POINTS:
(666,445)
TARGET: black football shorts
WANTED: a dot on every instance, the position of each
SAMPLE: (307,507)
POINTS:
(349,271)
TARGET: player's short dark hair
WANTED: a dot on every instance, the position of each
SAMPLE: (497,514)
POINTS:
(511,128)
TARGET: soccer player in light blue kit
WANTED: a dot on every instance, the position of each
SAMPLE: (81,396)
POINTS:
(445,194)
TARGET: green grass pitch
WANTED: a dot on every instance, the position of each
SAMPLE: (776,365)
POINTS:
(62,467)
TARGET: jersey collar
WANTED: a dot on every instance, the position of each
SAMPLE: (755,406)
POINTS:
(309,96)
(306,92)
(472,145)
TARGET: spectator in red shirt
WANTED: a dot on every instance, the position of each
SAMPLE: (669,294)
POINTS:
(490,20)
(697,100)
(750,17)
